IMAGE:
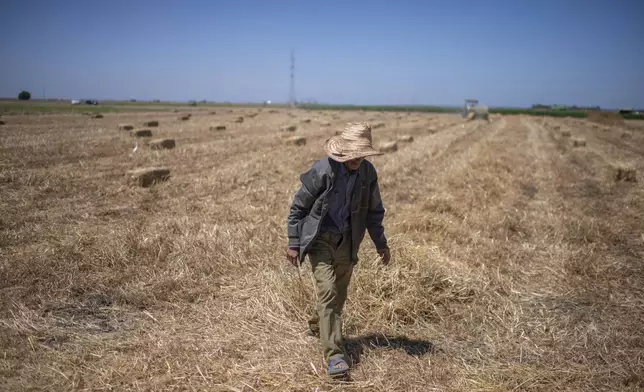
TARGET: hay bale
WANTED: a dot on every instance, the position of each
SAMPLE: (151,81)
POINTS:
(185,117)
(579,143)
(146,177)
(252,115)
(405,138)
(2,122)
(431,130)
(379,125)
(126,127)
(388,147)
(141,133)
(288,128)
(325,124)
(162,144)
(212,113)
(626,174)
(306,121)
(97,115)
(153,123)
(295,140)
(239,120)
(218,128)
(566,133)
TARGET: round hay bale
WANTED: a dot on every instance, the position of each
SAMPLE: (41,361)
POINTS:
(126,127)
(185,117)
(405,138)
(579,143)
(97,115)
(295,140)
(388,147)
(288,128)
(142,133)
(218,128)
(162,144)
(566,133)
(146,177)
(626,174)
(153,123)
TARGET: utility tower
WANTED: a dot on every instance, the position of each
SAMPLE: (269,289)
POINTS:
(291,98)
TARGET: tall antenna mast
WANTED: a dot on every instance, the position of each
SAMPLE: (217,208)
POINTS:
(291,97)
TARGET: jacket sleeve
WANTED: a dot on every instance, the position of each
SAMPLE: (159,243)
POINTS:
(310,189)
(375,215)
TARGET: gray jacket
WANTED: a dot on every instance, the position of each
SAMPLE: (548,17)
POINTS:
(310,205)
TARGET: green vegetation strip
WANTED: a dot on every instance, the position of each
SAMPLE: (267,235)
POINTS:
(448,109)
(33,109)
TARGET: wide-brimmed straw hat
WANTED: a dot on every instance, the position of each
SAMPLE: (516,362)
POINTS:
(354,142)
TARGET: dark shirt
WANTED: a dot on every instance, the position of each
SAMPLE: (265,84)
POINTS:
(338,217)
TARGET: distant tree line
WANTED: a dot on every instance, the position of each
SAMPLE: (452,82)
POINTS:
(564,107)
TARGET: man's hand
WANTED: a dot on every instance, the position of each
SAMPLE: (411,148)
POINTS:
(292,255)
(385,255)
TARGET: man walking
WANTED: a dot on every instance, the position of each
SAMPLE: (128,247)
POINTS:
(338,201)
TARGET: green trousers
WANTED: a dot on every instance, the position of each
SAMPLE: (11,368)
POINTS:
(330,258)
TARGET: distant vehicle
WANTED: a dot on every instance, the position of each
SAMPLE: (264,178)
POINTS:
(91,102)
(76,101)
(473,111)
(469,104)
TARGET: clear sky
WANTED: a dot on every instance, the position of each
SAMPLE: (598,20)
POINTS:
(511,53)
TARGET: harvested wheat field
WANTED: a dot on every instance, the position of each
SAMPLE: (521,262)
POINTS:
(517,260)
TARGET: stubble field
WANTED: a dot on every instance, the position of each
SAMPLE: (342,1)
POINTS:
(517,256)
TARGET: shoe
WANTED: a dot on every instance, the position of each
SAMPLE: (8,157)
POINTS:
(337,367)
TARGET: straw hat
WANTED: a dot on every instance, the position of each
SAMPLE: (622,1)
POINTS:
(353,142)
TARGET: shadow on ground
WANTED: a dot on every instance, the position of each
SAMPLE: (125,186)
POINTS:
(355,346)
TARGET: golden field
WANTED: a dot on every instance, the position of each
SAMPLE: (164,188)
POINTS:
(518,255)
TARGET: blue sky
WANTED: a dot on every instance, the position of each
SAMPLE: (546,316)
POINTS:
(511,53)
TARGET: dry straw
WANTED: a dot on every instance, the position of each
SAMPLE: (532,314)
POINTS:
(516,263)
